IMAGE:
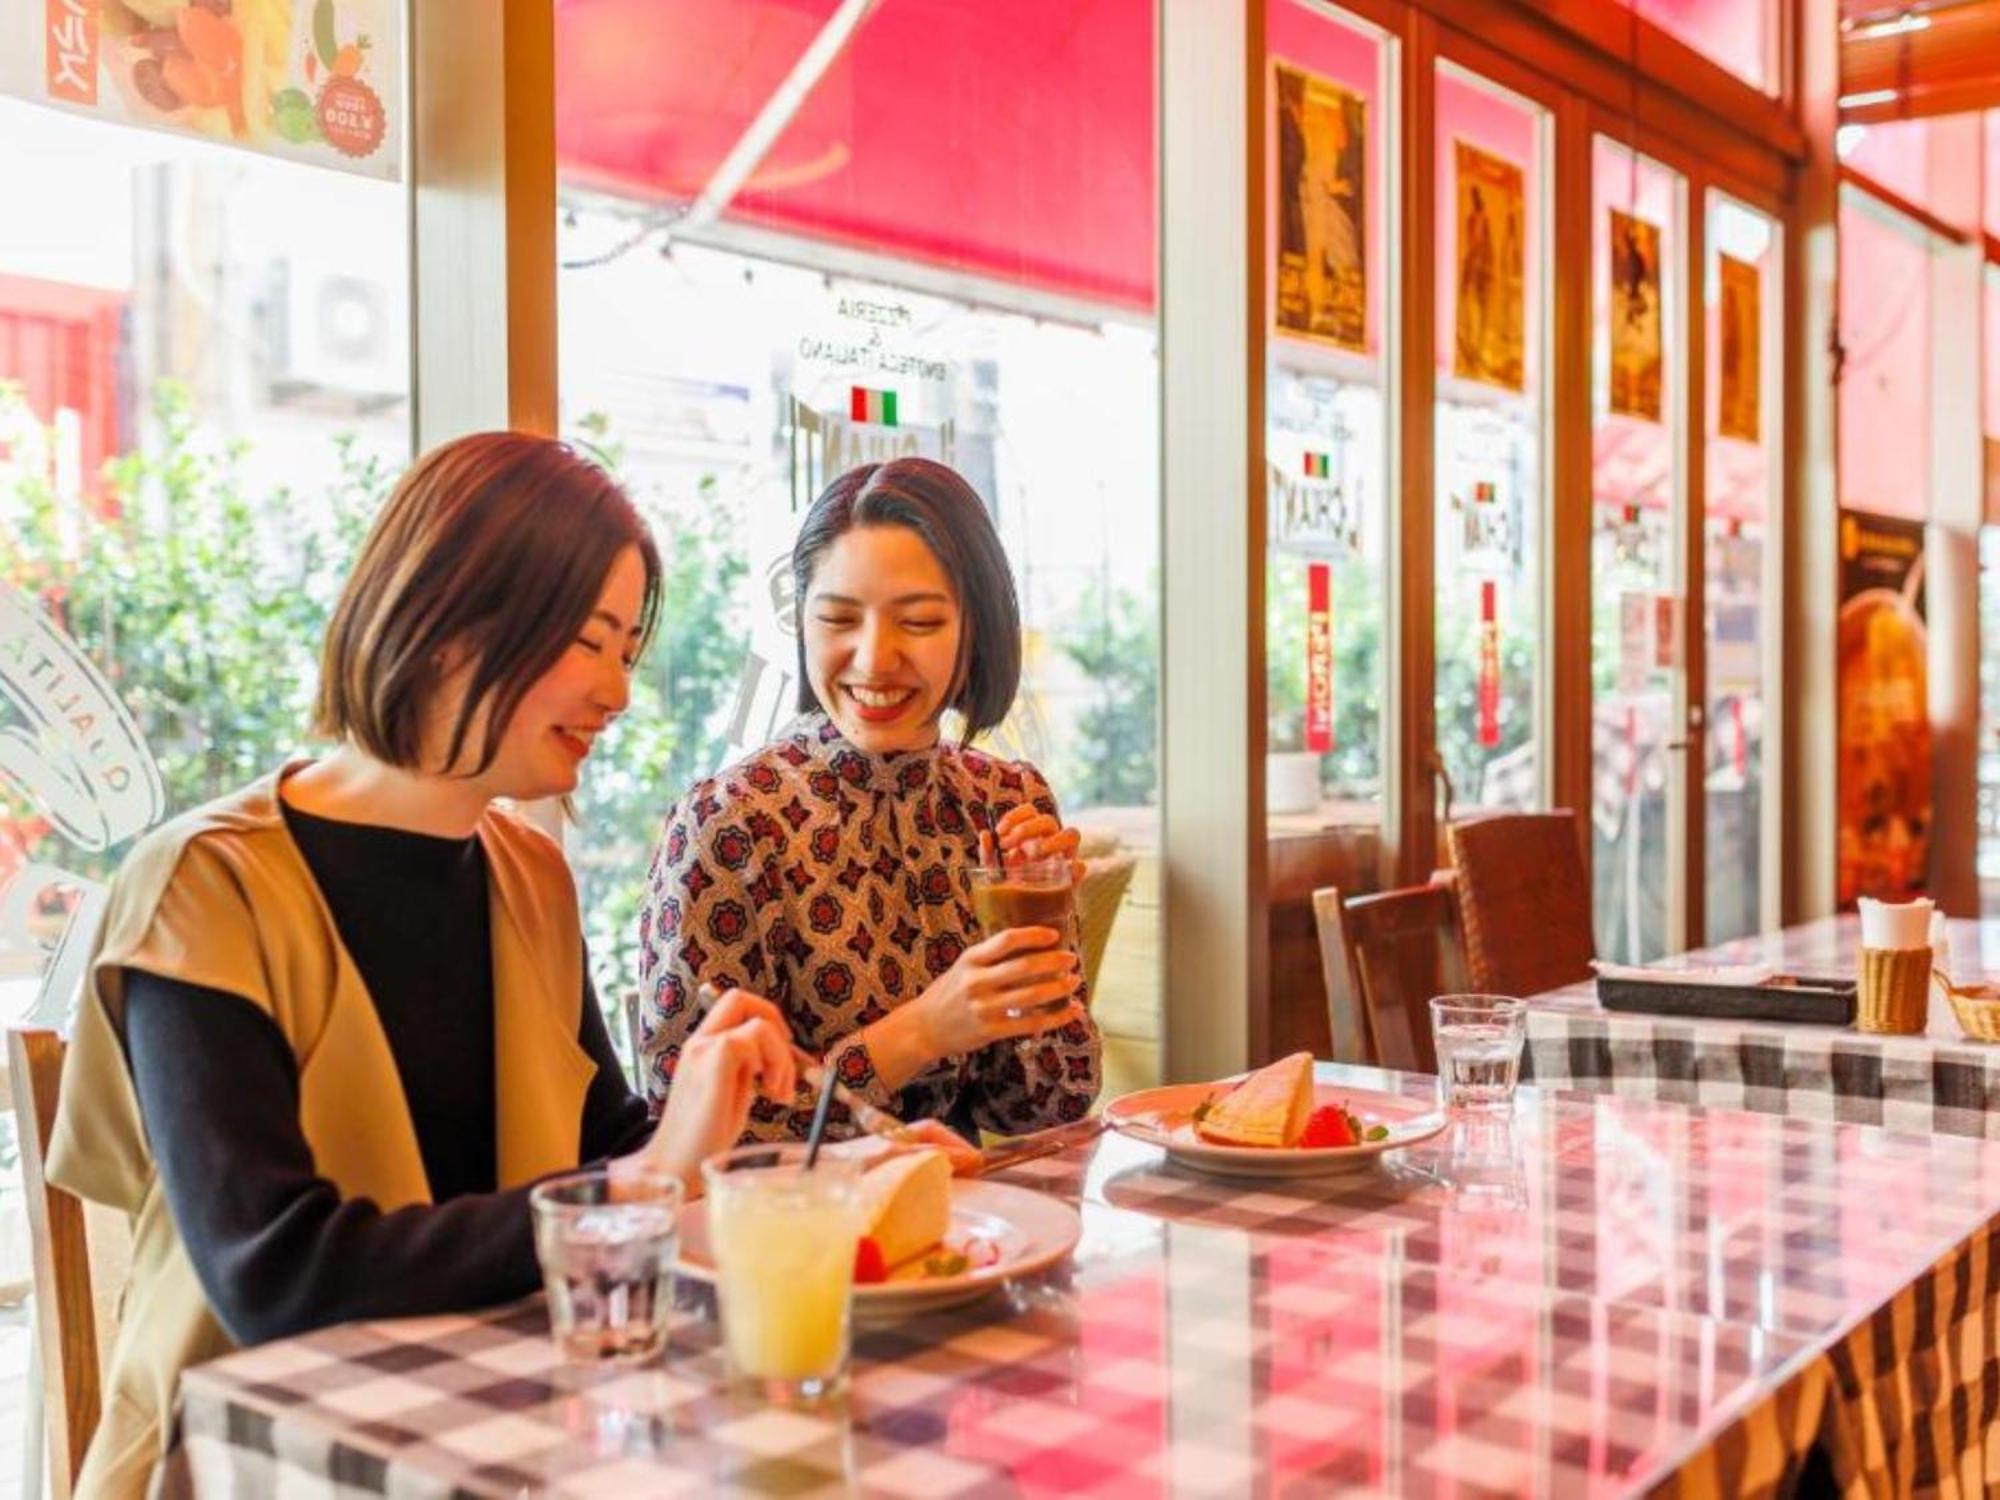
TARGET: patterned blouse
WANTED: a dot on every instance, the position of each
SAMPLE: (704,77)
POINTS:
(831,881)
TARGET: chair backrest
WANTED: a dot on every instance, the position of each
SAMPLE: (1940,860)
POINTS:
(1524,902)
(65,1311)
(1352,1039)
(1398,949)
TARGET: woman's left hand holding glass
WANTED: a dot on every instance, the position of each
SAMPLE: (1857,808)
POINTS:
(1026,832)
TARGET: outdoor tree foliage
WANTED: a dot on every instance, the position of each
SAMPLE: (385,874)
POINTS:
(204,603)
(1111,757)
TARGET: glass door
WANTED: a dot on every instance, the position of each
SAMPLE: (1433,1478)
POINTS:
(1640,715)
(1743,306)
(1493,263)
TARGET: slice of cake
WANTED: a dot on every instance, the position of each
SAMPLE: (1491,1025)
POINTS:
(906,1203)
(1269,1108)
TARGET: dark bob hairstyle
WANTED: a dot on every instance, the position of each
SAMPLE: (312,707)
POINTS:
(493,548)
(939,506)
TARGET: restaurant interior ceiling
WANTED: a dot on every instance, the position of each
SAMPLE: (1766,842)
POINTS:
(1935,57)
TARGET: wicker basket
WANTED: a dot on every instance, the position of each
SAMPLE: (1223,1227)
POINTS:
(1977,1007)
(1895,994)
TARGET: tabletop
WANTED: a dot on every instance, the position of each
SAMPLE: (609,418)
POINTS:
(1600,1296)
(1937,1081)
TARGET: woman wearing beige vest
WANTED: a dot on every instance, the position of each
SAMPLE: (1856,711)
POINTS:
(338,1021)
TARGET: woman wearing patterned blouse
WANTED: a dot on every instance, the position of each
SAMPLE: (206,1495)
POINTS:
(826,871)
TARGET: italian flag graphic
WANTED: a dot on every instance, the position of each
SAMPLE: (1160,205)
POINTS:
(879,407)
(1316,466)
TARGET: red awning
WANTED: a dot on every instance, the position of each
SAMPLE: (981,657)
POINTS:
(1009,141)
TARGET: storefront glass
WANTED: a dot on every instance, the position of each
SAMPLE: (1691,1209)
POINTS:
(204,396)
(1743,301)
(1333,195)
(949,262)
(1637,570)
(1885,370)
(1740,35)
(1491,416)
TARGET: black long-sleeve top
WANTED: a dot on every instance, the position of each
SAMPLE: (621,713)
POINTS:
(277,1249)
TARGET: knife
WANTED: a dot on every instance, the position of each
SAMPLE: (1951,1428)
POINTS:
(1011,1153)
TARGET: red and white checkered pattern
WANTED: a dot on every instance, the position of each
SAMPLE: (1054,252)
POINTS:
(1937,1082)
(1601,1297)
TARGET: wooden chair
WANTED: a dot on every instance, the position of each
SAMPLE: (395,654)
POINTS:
(65,1310)
(1385,957)
(1524,902)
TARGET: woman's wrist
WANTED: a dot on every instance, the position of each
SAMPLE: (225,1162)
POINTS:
(899,1046)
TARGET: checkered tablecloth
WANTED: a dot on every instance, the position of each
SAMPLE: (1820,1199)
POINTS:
(1939,1081)
(1604,1296)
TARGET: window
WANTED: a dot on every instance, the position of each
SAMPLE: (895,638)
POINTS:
(1743,301)
(1637,571)
(1333,192)
(1491,487)
(1740,35)
(1885,376)
(204,395)
(953,261)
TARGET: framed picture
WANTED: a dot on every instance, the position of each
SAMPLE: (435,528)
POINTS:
(1321,180)
(1636,324)
(1738,321)
(1490,334)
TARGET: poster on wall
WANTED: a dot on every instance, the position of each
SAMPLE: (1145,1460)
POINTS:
(312,80)
(1491,317)
(1636,324)
(1321,176)
(1739,322)
(1884,712)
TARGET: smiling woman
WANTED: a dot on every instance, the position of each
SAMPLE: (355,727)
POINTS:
(828,870)
(355,991)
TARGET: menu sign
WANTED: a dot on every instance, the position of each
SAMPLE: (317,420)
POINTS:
(1884,710)
(1319,658)
(313,80)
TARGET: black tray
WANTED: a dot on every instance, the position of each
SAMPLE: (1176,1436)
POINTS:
(1814,1000)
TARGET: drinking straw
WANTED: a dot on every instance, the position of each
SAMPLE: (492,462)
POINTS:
(819,1120)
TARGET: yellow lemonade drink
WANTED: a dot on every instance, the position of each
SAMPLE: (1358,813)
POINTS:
(784,1273)
(784,1240)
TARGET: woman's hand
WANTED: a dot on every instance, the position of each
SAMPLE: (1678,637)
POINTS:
(967,1007)
(740,1050)
(1036,835)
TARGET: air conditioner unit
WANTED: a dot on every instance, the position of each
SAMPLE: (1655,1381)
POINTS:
(337,333)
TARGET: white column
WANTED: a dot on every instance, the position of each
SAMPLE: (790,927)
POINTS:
(1212,731)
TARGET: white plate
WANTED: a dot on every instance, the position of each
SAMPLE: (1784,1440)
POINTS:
(1032,1230)
(1163,1117)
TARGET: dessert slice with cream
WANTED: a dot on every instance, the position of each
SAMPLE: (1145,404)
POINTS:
(1269,1108)
(906,1209)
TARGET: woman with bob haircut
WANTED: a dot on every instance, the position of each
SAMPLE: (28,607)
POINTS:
(338,1021)
(827,870)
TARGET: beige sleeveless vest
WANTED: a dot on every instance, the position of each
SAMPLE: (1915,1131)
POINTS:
(222,898)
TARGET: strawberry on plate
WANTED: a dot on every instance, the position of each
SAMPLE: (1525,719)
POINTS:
(869,1266)
(1328,1127)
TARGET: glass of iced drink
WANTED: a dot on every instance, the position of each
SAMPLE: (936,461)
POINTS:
(607,1250)
(1033,893)
(1479,1039)
(784,1236)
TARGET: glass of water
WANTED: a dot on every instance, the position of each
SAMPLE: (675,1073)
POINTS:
(607,1243)
(1478,1049)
